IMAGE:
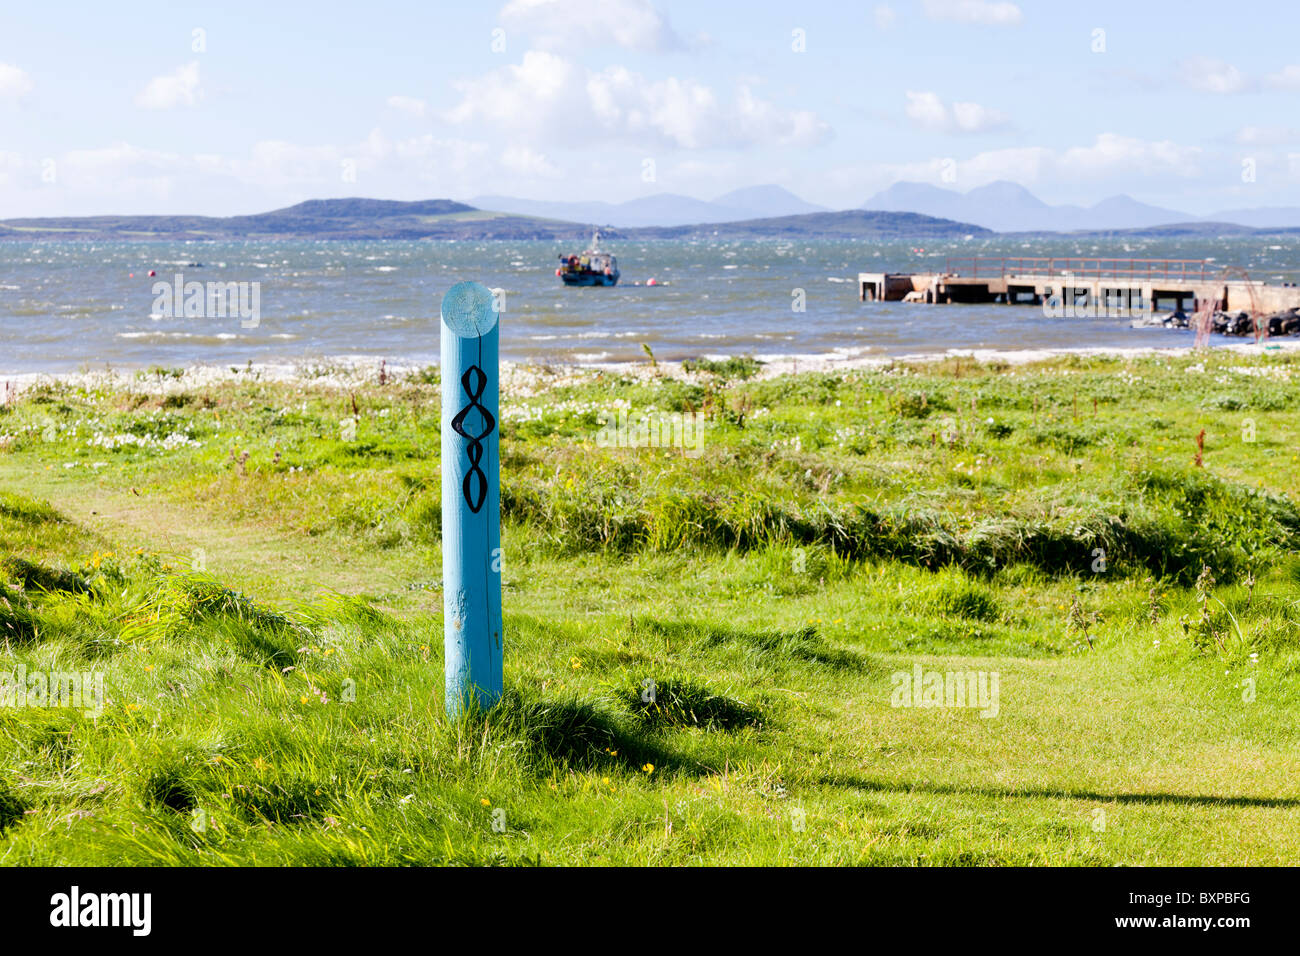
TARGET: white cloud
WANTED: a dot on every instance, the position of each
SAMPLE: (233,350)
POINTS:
(1267,135)
(1287,78)
(120,177)
(527,162)
(928,111)
(408,105)
(275,163)
(179,88)
(1212,76)
(14,82)
(1112,155)
(557,24)
(974,11)
(548,97)
(1110,163)
(12,166)
(885,16)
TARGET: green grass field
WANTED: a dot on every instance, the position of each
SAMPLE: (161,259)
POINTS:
(258,583)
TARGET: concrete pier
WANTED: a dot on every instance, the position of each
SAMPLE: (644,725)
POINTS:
(1135,284)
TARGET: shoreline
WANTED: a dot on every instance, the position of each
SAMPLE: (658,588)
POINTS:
(353,371)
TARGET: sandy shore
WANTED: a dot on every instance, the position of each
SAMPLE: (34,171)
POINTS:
(351,371)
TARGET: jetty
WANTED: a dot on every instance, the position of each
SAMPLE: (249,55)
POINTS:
(1101,282)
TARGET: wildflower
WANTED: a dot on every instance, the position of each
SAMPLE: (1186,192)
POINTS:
(484,801)
(649,768)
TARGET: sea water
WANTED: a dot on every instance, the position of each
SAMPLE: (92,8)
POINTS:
(71,305)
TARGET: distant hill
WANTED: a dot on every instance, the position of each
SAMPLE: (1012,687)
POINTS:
(442,219)
(1262,217)
(758,202)
(661,209)
(445,219)
(850,224)
(1009,207)
(369,208)
(314,219)
(1195,228)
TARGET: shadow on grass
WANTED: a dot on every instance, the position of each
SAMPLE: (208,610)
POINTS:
(18,623)
(31,576)
(11,809)
(168,788)
(29,511)
(260,634)
(681,702)
(287,802)
(1049,793)
(802,644)
(577,734)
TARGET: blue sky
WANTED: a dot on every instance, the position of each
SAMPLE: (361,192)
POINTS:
(130,110)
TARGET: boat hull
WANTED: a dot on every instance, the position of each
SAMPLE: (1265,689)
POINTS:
(594,279)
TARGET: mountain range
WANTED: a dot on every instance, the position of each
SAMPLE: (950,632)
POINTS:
(1001,206)
(661,209)
(903,210)
(1009,207)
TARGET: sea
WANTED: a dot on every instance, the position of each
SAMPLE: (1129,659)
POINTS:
(70,306)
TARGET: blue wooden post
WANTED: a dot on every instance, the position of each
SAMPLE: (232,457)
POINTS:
(471,498)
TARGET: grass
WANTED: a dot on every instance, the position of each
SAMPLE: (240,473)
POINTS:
(701,648)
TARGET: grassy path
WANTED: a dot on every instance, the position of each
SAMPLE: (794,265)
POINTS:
(776,735)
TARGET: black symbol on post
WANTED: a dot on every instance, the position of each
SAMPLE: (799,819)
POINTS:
(475,485)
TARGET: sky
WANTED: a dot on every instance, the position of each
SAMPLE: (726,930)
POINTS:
(237,107)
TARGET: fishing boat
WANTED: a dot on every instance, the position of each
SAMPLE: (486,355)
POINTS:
(589,267)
